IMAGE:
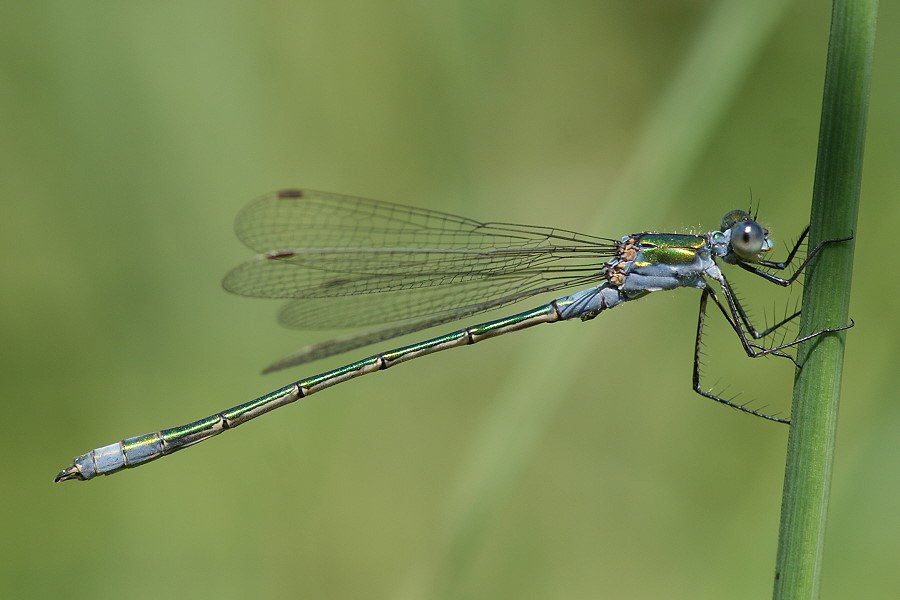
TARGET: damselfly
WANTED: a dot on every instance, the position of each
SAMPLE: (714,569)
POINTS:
(352,262)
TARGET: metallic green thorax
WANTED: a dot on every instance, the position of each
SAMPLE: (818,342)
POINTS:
(669,248)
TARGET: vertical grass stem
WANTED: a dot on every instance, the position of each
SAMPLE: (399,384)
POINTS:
(826,299)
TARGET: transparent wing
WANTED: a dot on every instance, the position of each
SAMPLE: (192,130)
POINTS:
(324,250)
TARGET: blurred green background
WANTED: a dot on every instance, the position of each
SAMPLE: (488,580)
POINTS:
(570,461)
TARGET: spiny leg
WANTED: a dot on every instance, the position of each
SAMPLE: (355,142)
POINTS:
(750,329)
(784,282)
(735,311)
(707,292)
(756,350)
(735,302)
(752,350)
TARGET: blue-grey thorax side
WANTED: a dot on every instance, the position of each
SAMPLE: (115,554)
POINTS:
(649,262)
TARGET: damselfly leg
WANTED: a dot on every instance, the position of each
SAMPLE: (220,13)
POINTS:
(736,316)
(779,266)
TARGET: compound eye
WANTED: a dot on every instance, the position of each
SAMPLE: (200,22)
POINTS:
(748,240)
(735,216)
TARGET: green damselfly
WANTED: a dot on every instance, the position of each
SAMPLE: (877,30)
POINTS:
(352,262)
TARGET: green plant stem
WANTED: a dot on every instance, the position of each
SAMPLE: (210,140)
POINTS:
(826,299)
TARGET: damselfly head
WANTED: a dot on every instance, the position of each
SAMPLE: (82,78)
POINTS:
(749,239)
